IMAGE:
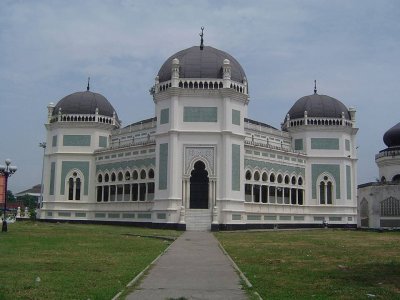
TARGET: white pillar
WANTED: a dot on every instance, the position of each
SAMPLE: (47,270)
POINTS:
(188,193)
(210,185)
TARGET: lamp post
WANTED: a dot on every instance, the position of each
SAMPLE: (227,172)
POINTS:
(42,145)
(6,171)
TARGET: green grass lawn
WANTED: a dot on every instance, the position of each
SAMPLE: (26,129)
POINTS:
(73,261)
(318,264)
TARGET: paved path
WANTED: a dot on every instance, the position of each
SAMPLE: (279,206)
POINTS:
(194,267)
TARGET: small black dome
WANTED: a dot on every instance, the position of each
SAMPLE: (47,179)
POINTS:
(392,137)
(318,106)
(84,103)
(197,63)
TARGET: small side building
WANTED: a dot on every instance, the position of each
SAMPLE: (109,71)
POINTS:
(379,202)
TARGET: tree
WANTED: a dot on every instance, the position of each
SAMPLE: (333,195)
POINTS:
(28,201)
(10,197)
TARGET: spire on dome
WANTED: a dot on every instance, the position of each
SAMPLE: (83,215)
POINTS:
(88,81)
(315,87)
(201,40)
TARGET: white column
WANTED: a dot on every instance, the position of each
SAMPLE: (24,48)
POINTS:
(183,193)
(188,193)
(215,193)
(210,185)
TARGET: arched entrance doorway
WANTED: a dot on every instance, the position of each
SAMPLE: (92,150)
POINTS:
(199,186)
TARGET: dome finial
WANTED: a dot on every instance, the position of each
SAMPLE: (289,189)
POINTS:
(315,87)
(88,86)
(201,36)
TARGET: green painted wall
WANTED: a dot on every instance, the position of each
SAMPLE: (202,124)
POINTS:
(163,169)
(236,167)
(348,182)
(76,140)
(269,166)
(347,145)
(325,143)
(103,141)
(298,144)
(136,163)
(54,141)
(67,166)
(52,177)
(235,117)
(164,116)
(200,114)
(318,169)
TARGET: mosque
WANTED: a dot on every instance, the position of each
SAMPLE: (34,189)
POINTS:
(200,163)
(379,202)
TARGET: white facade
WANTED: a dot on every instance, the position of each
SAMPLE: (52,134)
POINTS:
(379,202)
(201,164)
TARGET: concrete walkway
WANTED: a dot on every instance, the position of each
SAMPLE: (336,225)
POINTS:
(194,267)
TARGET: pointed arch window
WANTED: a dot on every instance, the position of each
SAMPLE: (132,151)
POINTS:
(74,185)
(326,191)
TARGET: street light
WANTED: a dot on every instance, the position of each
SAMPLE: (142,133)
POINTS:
(6,171)
(42,145)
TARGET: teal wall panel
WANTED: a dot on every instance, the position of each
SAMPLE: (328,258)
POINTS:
(76,140)
(318,169)
(298,144)
(163,169)
(54,141)
(103,141)
(137,163)
(269,166)
(67,166)
(200,114)
(325,143)
(235,117)
(236,167)
(164,116)
(347,145)
(348,181)
(52,177)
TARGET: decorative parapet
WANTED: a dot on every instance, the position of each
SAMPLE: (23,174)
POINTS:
(387,153)
(201,84)
(319,121)
(287,149)
(124,144)
(93,118)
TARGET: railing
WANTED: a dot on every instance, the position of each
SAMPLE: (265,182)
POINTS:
(320,121)
(387,153)
(201,84)
(93,118)
(269,146)
(125,144)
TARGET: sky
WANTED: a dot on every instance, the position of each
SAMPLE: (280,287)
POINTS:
(48,49)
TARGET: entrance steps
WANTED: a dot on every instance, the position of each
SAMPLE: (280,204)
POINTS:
(198,219)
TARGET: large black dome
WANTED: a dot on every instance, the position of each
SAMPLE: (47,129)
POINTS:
(392,137)
(318,106)
(84,103)
(197,63)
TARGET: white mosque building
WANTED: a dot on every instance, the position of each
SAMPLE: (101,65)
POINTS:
(201,163)
(379,202)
